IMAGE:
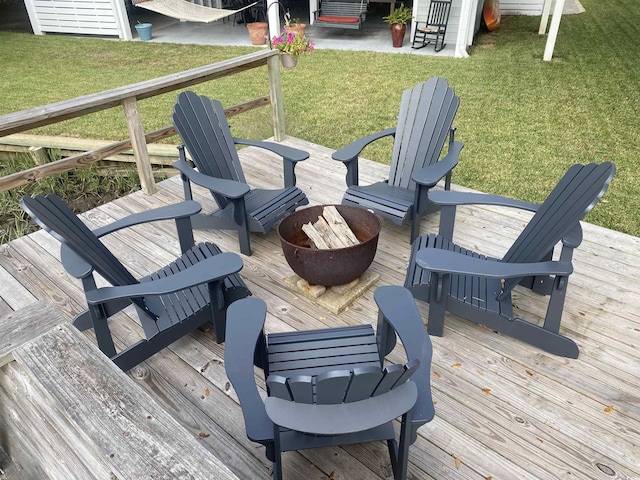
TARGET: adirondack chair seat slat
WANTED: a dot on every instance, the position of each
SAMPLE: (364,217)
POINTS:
(337,391)
(328,352)
(424,122)
(347,333)
(313,356)
(180,305)
(203,128)
(480,293)
(394,203)
(479,288)
(171,302)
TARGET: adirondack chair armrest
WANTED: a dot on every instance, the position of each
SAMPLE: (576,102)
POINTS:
(290,157)
(399,309)
(245,320)
(73,263)
(447,197)
(430,175)
(290,154)
(226,188)
(169,212)
(342,418)
(209,270)
(350,152)
(446,262)
(573,239)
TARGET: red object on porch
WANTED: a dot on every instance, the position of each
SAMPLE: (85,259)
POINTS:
(491,14)
(339,19)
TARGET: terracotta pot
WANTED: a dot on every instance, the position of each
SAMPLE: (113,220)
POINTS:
(258,32)
(288,61)
(300,28)
(397,34)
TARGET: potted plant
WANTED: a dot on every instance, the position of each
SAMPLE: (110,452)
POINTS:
(294,24)
(398,20)
(258,32)
(291,46)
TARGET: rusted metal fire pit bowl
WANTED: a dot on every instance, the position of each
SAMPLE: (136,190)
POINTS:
(329,267)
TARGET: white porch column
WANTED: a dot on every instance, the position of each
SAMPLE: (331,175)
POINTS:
(273,18)
(553,30)
(33,18)
(122,18)
(465,29)
(313,7)
(544,20)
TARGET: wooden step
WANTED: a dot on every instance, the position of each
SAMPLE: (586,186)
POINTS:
(80,416)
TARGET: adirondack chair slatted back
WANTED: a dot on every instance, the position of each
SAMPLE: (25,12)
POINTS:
(53,215)
(203,128)
(426,115)
(341,386)
(573,197)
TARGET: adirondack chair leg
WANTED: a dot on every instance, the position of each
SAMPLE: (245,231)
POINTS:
(277,454)
(240,216)
(420,199)
(185,234)
(219,320)
(403,448)
(385,337)
(438,303)
(101,329)
(556,304)
(352,172)
(289,173)
(186,185)
(392,446)
(447,221)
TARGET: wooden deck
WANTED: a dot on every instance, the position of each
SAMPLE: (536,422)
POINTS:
(504,410)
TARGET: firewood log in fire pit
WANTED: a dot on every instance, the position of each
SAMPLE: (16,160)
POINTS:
(330,231)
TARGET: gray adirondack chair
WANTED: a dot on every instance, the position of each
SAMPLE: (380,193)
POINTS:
(194,289)
(203,128)
(330,386)
(479,288)
(426,117)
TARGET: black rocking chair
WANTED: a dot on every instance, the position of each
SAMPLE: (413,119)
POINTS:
(433,30)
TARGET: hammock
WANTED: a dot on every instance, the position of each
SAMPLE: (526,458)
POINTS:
(184,10)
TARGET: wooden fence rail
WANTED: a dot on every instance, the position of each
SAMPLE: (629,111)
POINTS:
(128,96)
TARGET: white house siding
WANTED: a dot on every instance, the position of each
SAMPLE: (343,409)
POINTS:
(521,7)
(87,17)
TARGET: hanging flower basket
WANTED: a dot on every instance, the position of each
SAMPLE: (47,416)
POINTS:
(288,61)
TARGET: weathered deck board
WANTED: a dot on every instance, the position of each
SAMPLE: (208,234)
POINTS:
(503,409)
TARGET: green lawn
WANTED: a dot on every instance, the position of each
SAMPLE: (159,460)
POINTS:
(523,121)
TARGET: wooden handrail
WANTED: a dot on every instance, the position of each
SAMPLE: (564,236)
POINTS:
(127,96)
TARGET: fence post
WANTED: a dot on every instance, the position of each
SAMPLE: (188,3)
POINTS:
(275,93)
(139,144)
